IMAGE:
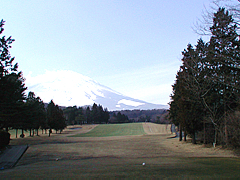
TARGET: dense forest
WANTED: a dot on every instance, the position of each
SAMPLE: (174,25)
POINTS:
(206,93)
(94,114)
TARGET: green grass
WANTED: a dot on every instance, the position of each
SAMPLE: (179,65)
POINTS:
(122,168)
(106,130)
(170,168)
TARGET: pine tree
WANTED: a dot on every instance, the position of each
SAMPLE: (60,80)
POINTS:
(11,84)
(55,117)
(208,84)
(106,116)
(51,116)
(35,114)
(88,116)
(186,108)
(224,52)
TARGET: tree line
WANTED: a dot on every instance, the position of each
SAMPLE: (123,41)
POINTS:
(18,110)
(119,118)
(154,115)
(28,112)
(94,114)
(205,97)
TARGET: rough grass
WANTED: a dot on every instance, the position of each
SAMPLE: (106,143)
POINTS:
(106,130)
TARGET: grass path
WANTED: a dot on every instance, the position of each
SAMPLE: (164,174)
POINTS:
(106,130)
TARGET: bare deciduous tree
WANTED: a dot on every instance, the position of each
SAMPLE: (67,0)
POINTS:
(203,24)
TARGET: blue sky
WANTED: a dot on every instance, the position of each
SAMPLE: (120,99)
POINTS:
(131,46)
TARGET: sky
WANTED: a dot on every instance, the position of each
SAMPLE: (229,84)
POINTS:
(131,46)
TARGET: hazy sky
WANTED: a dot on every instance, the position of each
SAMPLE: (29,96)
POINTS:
(131,46)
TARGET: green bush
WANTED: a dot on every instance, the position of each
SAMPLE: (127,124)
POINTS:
(4,138)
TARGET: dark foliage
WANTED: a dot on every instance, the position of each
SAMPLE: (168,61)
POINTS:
(11,84)
(119,118)
(55,117)
(154,115)
(206,91)
(4,138)
(89,115)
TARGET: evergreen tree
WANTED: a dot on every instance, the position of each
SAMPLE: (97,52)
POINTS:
(100,114)
(88,115)
(70,113)
(79,118)
(60,119)
(207,85)
(106,116)
(55,118)
(35,114)
(11,84)
(51,116)
(178,109)
(225,61)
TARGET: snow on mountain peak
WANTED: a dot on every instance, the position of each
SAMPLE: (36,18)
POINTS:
(68,88)
(129,102)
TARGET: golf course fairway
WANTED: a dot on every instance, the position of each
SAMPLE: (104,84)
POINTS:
(120,151)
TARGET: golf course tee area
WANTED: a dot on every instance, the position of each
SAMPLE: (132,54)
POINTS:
(120,151)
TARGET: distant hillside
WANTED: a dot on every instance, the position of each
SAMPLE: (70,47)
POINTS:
(155,115)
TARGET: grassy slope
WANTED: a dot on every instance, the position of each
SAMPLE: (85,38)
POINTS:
(105,130)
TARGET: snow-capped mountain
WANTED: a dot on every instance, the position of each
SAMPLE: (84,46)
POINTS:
(68,88)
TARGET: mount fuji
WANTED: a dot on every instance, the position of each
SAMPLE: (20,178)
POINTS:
(68,88)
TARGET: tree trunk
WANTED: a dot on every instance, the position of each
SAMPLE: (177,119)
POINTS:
(50,131)
(226,131)
(16,132)
(215,136)
(193,138)
(185,135)
(204,135)
(22,135)
(180,133)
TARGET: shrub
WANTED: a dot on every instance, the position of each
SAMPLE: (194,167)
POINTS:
(4,138)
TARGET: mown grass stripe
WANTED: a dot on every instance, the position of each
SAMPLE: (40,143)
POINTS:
(106,130)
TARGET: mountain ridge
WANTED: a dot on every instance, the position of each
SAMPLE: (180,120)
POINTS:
(68,88)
